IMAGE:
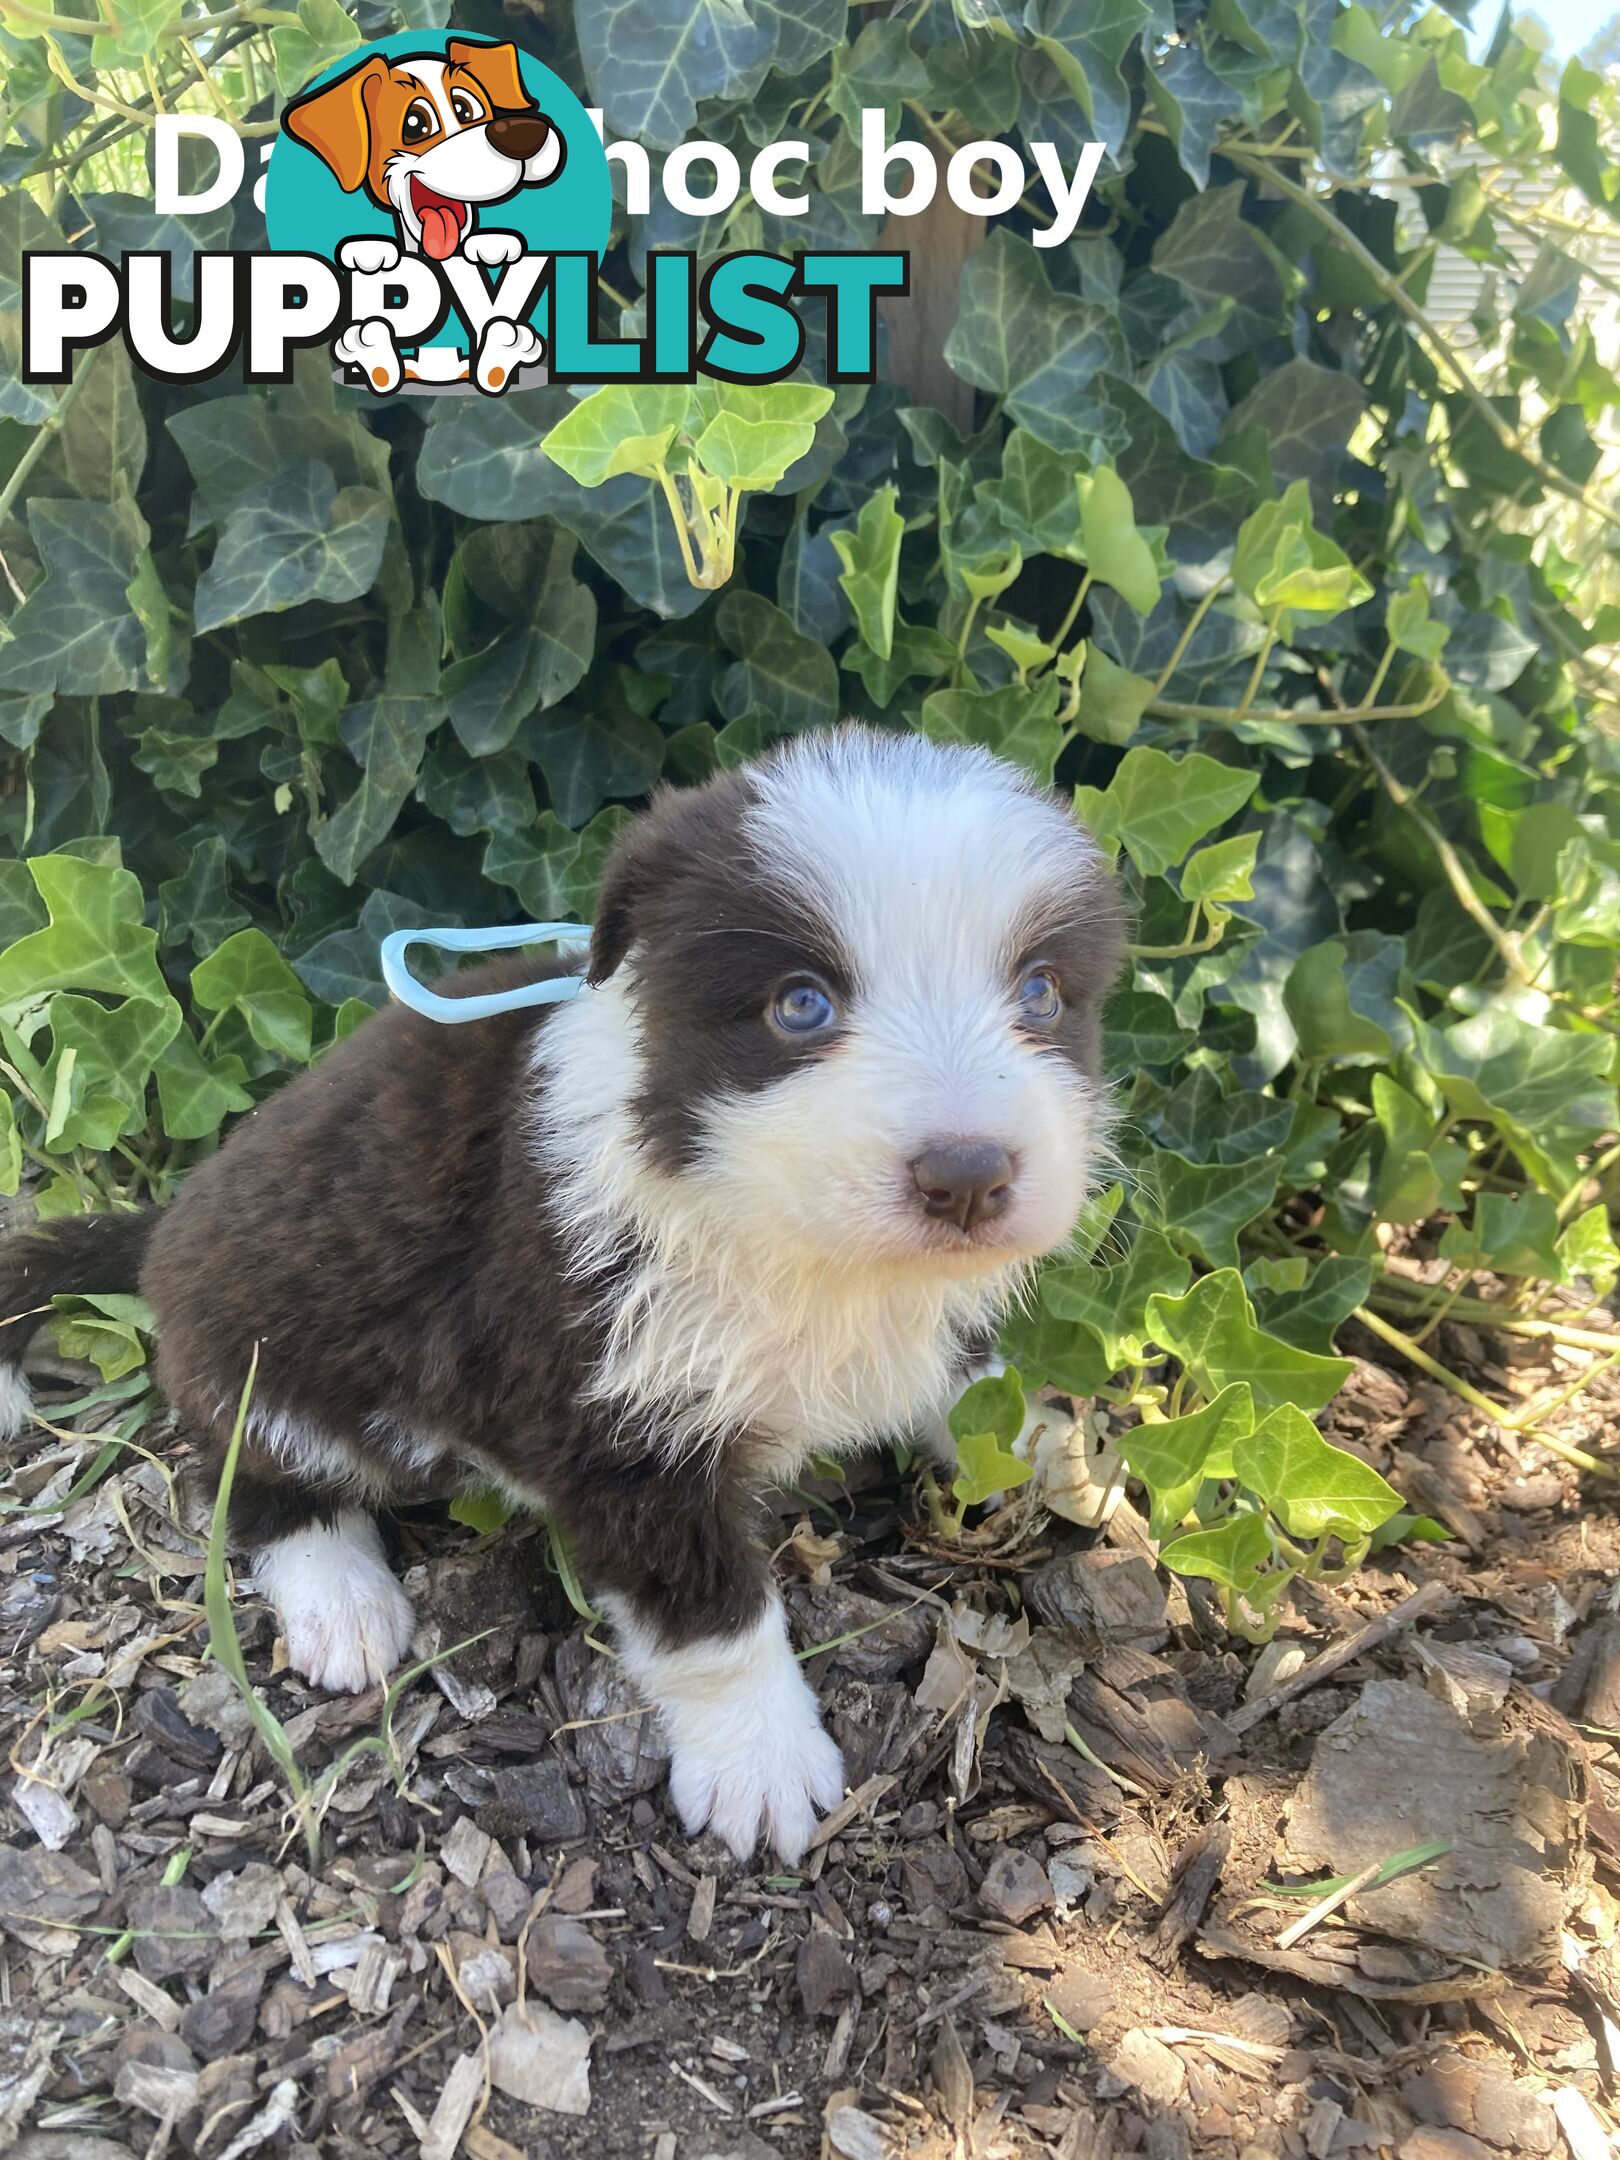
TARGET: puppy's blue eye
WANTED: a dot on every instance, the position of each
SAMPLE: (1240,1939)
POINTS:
(803,1009)
(1039,998)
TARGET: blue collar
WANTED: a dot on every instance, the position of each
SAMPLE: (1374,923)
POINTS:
(557,990)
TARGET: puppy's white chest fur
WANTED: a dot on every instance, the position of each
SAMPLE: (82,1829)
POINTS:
(715,1324)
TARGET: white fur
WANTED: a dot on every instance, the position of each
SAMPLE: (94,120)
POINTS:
(346,1619)
(16,1402)
(749,1752)
(788,1284)
(719,1325)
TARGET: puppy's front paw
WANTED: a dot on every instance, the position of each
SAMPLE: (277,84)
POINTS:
(502,350)
(492,248)
(749,1752)
(346,1619)
(369,346)
(370,256)
(756,1772)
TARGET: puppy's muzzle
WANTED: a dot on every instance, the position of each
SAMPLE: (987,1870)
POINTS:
(966,1182)
(519,136)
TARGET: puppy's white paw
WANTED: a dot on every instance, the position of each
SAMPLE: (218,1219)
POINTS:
(753,1772)
(369,346)
(16,1402)
(492,248)
(346,1619)
(749,1750)
(370,256)
(504,348)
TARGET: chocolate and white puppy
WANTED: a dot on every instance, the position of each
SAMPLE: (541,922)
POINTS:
(765,1189)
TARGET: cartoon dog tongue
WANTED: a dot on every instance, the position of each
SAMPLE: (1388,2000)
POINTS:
(441,228)
(441,219)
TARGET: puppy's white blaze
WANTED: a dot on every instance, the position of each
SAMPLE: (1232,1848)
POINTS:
(720,1322)
(749,1751)
(16,1402)
(931,864)
(346,1619)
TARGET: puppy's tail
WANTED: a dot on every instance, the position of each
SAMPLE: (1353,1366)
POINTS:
(79,1253)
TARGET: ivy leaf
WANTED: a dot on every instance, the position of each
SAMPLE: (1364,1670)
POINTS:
(1174,1456)
(108,1328)
(1511,1234)
(1411,627)
(197,1094)
(914,650)
(1112,699)
(1207,1204)
(1140,1029)
(247,975)
(1116,552)
(1018,721)
(96,939)
(652,62)
(196,907)
(993,1406)
(1194,102)
(1330,1017)
(1157,805)
(588,756)
(306,539)
(387,736)
(1212,1331)
(625,428)
(1223,872)
(323,33)
(871,573)
(1310,1315)
(1114,1300)
(525,577)
(1545,1090)
(1232,1554)
(1313,1488)
(1087,41)
(485,1510)
(101,1060)
(1216,254)
(75,634)
(1036,348)
(984,1467)
(777,670)
(1587,1250)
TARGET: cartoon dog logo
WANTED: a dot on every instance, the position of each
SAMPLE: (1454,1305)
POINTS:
(433,139)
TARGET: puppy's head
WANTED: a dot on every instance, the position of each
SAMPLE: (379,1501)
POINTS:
(865,978)
(431,136)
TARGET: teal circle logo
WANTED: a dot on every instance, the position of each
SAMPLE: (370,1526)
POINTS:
(435,150)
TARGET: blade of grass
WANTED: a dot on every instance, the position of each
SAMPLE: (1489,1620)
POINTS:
(226,1645)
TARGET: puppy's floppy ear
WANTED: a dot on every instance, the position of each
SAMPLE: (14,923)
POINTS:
(335,122)
(496,68)
(633,869)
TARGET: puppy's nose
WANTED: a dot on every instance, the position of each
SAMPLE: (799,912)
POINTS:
(518,135)
(964,1181)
